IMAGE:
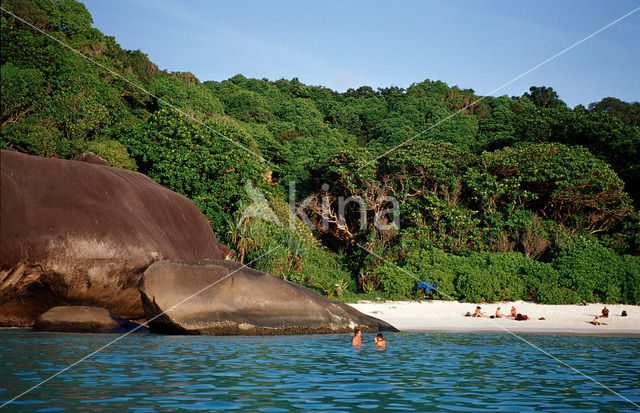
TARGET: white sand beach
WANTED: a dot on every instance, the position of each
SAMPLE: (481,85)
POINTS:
(449,316)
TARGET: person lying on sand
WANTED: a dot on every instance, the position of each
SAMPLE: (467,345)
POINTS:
(356,341)
(499,313)
(379,342)
(478,313)
(521,317)
(596,322)
(513,312)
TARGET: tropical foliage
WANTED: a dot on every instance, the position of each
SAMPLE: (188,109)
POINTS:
(498,198)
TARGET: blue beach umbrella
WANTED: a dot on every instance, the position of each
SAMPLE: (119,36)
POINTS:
(426,286)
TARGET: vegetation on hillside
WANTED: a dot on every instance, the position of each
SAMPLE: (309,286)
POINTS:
(500,198)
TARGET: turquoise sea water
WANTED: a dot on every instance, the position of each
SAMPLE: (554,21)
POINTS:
(417,372)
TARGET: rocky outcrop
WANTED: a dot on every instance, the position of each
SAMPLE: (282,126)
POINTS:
(84,319)
(82,233)
(225,297)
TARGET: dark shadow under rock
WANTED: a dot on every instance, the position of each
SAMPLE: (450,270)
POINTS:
(222,297)
(85,319)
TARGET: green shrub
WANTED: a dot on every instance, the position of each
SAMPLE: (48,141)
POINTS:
(396,284)
(475,284)
(632,280)
(479,277)
(505,272)
(594,272)
(434,266)
(113,152)
(556,294)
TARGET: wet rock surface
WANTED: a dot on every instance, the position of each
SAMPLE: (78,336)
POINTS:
(84,319)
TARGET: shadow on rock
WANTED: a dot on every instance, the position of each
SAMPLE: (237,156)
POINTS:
(221,297)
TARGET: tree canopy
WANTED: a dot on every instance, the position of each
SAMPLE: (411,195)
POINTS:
(498,197)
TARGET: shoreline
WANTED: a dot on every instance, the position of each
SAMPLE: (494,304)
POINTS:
(449,317)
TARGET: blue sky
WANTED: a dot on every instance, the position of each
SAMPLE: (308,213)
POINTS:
(344,44)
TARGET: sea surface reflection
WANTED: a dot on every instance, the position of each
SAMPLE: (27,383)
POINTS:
(417,372)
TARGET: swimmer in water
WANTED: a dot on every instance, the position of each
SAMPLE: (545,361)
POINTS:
(379,342)
(356,341)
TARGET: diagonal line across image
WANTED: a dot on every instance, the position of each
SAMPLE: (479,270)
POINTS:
(164,101)
(501,87)
(565,364)
(137,328)
(460,111)
(275,166)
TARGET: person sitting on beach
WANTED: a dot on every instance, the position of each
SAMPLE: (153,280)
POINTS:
(478,313)
(513,312)
(605,312)
(499,313)
(356,341)
(379,342)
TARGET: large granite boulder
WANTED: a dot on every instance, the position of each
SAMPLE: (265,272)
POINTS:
(82,233)
(84,319)
(225,297)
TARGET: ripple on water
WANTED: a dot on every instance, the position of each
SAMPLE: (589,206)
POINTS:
(417,372)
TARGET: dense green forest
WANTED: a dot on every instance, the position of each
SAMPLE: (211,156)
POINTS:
(510,198)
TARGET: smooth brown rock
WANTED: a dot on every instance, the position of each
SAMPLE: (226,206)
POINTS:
(225,298)
(78,233)
(84,319)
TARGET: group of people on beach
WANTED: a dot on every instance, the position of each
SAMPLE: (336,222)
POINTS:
(512,314)
(378,341)
(517,316)
(604,314)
